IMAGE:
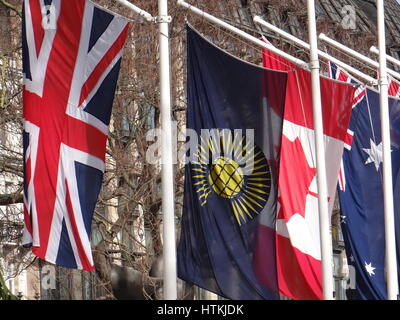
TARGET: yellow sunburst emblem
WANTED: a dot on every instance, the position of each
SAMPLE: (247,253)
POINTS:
(233,169)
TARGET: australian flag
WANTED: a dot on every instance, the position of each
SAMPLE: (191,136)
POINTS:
(227,242)
(361,198)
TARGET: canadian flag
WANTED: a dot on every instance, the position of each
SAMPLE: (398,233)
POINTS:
(298,251)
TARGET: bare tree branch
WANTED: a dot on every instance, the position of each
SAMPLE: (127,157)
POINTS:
(13,198)
(10,6)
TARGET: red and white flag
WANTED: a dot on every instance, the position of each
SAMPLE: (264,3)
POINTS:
(394,87)
(298,249)
(337,73)
(72,52)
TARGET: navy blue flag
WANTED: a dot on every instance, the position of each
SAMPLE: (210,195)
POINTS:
(227,242)
(361,197)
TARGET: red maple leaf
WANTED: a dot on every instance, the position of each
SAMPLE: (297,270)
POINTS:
(295,177)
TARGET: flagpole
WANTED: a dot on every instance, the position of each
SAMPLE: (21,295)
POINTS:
(136,9)
(356,54)
(322,54)
(167,170)
(227,26)
(389,58)
(324,217)
(390,241)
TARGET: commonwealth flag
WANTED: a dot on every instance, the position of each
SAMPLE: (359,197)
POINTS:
(227,242)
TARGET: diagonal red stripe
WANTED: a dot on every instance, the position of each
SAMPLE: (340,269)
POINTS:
(50,111)
(393,88)
(103,65)
(84,137)
(37,18)
(348,139)
(27,219)
(81,251)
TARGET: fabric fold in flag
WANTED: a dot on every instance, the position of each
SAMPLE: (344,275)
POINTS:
(361,201)
(298,251)
(71,58)
(227,242)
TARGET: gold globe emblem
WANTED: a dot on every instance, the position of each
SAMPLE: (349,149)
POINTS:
(246,186)
(226,177)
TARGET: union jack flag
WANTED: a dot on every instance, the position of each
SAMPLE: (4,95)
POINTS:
(72,52)
(394,87)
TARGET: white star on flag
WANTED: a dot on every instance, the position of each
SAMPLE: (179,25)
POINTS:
(375,154)
(370,269)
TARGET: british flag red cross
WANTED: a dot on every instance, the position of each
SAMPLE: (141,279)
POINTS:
(72,52)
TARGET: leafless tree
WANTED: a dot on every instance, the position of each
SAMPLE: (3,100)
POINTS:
(129,203)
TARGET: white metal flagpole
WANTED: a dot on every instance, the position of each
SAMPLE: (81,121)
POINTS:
(243,34)
(324,55)
(390,252)
(389,58)
(356,54)
(324,218)
(167,169)
(136,9)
